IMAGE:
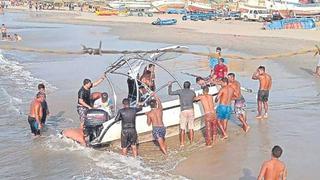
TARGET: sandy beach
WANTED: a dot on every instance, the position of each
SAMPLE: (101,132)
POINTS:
(240,156)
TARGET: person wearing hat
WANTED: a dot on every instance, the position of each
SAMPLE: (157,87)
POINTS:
(104,103)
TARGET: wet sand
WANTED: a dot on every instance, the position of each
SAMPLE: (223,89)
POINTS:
(240,156)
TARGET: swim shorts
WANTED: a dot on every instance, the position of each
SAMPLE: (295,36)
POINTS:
(240,106)
(223,112)
(158,132)
(128,137)
(263,95)
(34,126)
(187,119)
(82,111)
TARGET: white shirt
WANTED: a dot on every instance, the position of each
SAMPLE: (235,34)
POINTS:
(104,106)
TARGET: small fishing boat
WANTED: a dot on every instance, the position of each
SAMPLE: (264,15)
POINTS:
(164,22)
(292,23)
(109,132)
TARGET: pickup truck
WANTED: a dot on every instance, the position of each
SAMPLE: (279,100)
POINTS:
(257,15)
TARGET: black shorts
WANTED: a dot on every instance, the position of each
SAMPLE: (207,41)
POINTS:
(34,126)
(263,95)
(128,137)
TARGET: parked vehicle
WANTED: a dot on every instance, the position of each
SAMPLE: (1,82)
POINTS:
(140,12)
(176,11)
(276,15)
(196,16)
(257,15)
(233,15)
(164,22)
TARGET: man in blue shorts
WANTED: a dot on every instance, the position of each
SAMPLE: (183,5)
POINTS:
(224,98)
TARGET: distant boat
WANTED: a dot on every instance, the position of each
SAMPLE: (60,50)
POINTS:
(199,6)
(294,8)
(164,5)
(130,4)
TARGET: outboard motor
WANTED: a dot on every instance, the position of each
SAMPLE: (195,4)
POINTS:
(93,124)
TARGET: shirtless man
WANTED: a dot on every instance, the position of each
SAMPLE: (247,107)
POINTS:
(273,169)
(146,78)
(209,116)
(35,114)
(239,101)
(264,88)
(224,98)
(154,117)
(151,68)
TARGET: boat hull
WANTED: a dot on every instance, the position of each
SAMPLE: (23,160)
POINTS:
(171,119)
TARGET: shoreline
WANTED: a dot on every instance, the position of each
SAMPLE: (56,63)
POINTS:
(254,45)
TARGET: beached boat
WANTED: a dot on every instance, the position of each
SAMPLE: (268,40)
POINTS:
(106,12)
(110,131)
(199,7)
(130,4)
(293,8)
(165,5)
(292,23)
(164,22)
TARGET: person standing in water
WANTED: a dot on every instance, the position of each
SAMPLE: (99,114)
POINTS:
(274,169)
(209,116)
(154,117)
(265,81)
(44,104)
(186,96)
(239,102)
(35,114)
(129,136)
(84,101)
(224,98)
(4,32)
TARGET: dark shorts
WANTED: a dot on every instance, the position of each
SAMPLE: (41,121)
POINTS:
(158,132)
(82,111)
(44,117)
(263,95)
(4,35)
(128,137)
(34,126)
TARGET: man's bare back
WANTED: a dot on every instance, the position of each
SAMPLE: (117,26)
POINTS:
(207,103)
(35,110)
(273,169)
(237,89)
(226,94)
(265,81)
(155,115)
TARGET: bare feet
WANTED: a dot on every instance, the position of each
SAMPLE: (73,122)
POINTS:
(247,129)
(265,115)
(224,137)
(259,117)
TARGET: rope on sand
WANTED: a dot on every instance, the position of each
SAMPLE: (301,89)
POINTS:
(99,51)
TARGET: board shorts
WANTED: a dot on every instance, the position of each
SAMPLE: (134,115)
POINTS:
(82,111)
(240,106)
(4,35)
(187,119)
(129,137)
(158,132)
(263,95)
(34,126)
(223,112)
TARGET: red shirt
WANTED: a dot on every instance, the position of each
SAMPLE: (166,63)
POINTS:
(220,70)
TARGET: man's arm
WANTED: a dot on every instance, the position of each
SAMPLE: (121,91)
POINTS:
(158,101)
(270,83)
(96,83)
(284,174)
(255,75)
(38,113)
(218,96)
(81,101)
(262,171)
(170,92)
(118,117)
(149,121)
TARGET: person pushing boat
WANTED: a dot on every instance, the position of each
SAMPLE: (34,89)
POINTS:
(239,101)
(154,118)
(35,114)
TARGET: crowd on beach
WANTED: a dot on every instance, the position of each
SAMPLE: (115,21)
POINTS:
(216,119)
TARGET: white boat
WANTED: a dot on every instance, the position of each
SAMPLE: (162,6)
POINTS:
(111,131)
(164,5)
(292,8)
(130,4)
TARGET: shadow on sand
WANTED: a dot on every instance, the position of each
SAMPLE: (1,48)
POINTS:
(247,175)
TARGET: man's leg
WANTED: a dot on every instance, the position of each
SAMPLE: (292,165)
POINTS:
(191,135)
(134,150)
(222,129)
(163,145)
(208,132)
(259,109)
(125,151)
(182,137)
(266,108)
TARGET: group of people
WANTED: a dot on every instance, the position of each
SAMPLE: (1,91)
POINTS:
(8,37)
(215,119)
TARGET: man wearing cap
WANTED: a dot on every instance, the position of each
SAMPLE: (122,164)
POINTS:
(104,103)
